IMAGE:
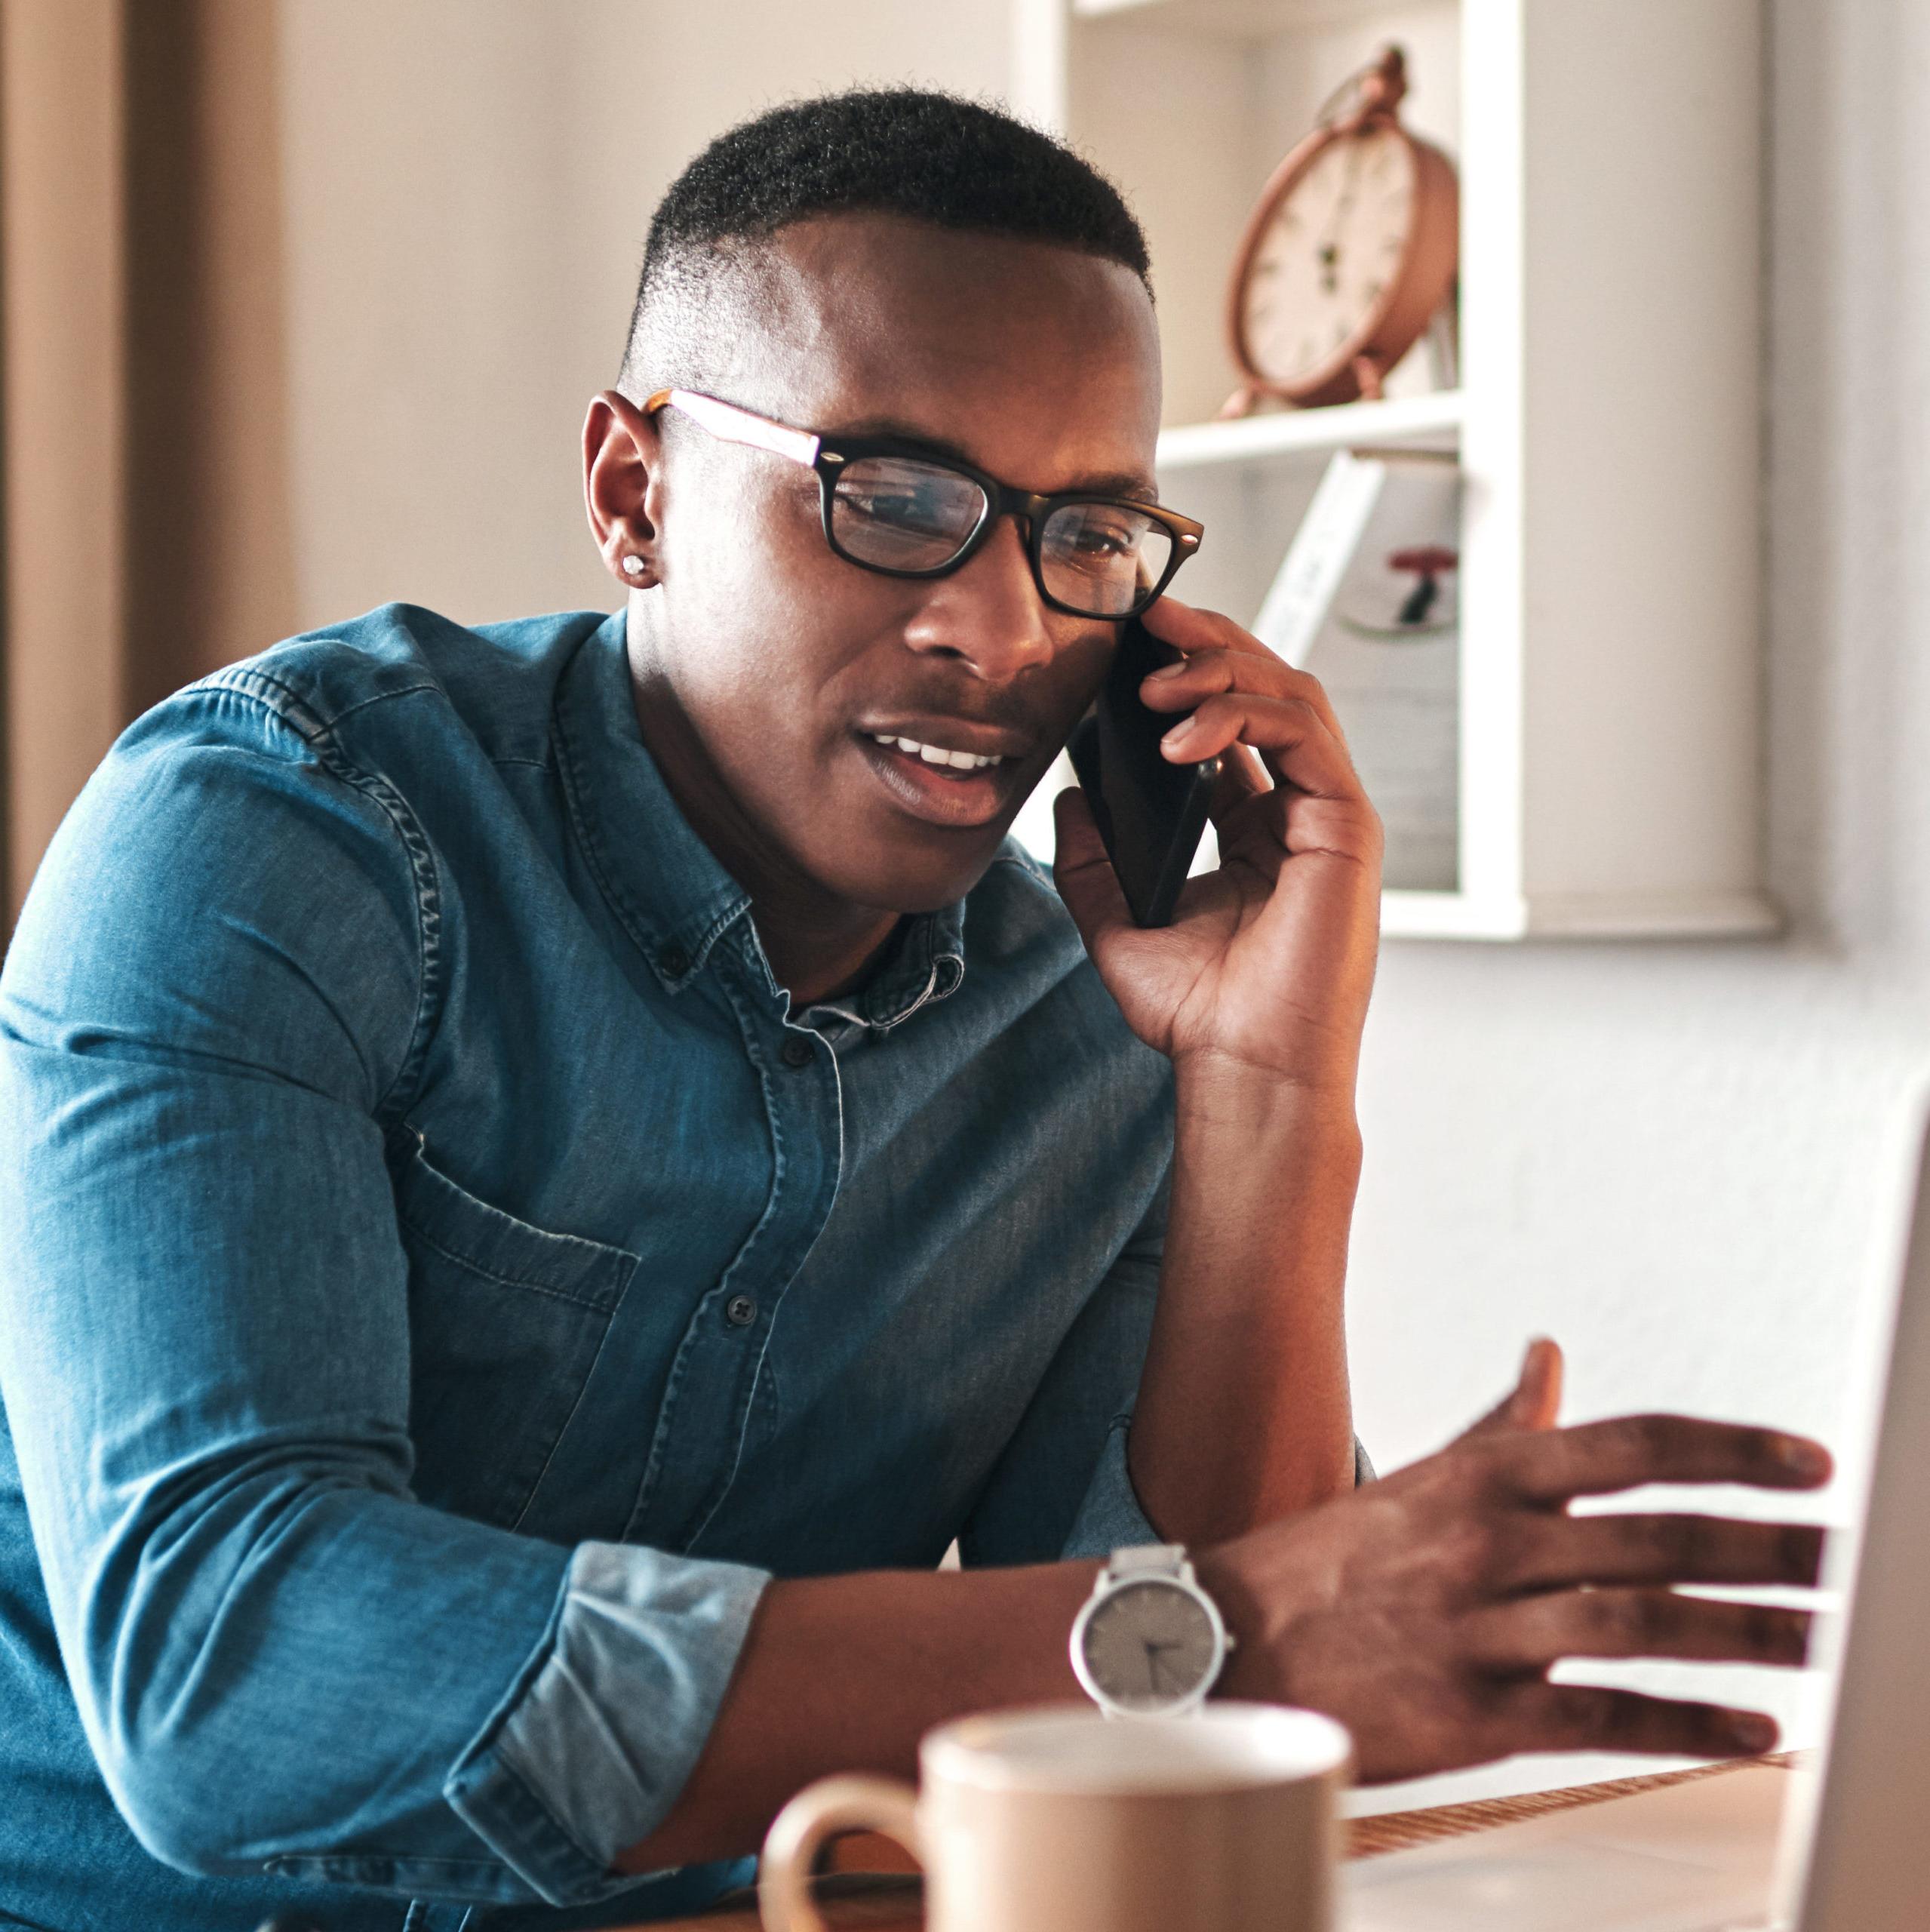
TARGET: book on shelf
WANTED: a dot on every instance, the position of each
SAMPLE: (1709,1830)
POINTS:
(1367,600)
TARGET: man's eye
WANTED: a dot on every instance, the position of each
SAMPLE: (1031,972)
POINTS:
(894,504)
(1099,539)
(915,509)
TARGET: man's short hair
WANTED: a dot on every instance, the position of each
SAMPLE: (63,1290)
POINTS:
(904,151)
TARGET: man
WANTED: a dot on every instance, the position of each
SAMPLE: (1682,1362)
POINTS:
(553,1169)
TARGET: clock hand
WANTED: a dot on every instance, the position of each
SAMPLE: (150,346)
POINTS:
(1329,253)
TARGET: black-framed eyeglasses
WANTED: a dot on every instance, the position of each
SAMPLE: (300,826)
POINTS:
(888,508)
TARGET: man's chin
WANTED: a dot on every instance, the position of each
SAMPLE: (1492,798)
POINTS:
(910,877)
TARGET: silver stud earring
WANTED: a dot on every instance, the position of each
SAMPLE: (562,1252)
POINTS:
(633,567)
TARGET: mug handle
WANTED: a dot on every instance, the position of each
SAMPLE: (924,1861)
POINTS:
(820,1811)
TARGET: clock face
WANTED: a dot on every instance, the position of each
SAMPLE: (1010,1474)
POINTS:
(1148,1645)
(1331,250)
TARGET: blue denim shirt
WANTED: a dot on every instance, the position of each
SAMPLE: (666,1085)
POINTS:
(442,1281)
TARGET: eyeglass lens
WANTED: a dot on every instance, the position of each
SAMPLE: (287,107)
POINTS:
(902,514)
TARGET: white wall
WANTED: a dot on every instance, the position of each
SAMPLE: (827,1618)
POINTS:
(1673,1158)
(1668,1155)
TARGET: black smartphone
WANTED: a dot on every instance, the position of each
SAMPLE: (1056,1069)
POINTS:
(1150,810)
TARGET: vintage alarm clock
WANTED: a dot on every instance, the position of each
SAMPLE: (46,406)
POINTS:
(1352,250)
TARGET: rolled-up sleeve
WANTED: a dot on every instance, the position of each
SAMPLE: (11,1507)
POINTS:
(605,1724)
(282,1658)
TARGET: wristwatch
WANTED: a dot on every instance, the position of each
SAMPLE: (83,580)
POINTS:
(1149,1641)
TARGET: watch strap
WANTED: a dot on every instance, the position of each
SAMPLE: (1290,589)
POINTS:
(1147,1559)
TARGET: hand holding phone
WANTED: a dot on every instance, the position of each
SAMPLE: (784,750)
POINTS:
(1265,972)
(1150,810)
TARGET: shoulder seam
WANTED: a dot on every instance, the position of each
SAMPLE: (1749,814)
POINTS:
(320,737)
(294,709)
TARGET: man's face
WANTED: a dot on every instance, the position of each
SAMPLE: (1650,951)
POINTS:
(1035,363)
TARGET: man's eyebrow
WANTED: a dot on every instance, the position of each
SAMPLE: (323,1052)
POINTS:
(1116,483)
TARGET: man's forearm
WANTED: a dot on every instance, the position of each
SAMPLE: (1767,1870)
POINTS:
(846,1673)
(1243,1414)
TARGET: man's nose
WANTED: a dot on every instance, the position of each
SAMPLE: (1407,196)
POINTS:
(988,612)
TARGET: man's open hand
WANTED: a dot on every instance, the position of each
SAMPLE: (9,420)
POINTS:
(1269,961)
(1425,1611)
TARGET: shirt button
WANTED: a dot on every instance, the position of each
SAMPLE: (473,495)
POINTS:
(740,1310)
(673,962)
(797,1052)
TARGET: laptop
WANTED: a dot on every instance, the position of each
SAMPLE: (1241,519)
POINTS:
(1844,1846)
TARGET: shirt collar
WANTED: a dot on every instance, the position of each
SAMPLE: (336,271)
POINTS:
(666,888)
(926,963)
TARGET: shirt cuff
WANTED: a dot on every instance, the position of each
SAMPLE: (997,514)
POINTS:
(589,1751)
(1111,1518)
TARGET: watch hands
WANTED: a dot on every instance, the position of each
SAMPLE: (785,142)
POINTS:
(1153,1664)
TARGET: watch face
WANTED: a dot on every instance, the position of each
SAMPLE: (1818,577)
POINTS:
(1331,251)
(1148,1645)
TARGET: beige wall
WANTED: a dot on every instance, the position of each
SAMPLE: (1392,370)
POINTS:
(467,185)
(61,196)
(147,536)
(209,562)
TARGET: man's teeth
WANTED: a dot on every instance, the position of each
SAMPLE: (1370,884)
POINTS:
(938,754)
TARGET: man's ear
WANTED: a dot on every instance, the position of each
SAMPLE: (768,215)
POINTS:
(622,488)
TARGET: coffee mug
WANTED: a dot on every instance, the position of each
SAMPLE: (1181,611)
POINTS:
(1062,1819)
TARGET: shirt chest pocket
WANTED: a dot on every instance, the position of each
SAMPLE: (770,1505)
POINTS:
(504,1323)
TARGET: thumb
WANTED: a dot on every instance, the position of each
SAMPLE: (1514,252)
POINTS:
(1083,872)
(1536,1399)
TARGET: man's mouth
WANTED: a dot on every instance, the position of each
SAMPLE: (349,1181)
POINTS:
(941,784)
(938,754)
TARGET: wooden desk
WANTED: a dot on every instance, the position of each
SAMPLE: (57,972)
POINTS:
(869,1902)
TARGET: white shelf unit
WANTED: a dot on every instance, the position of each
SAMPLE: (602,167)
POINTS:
(1607,416)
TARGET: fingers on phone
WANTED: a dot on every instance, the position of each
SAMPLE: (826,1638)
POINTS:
(1291,737)
(1214,669)
(1188,627)
(1242,773)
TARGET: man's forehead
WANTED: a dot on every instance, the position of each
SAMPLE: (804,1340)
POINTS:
(1012,352)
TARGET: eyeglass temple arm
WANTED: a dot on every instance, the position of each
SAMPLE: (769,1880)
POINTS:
(737,426)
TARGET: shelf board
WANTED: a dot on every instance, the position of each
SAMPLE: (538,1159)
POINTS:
(1244,19)
(1714,915)
(1449,915)
(1418,422)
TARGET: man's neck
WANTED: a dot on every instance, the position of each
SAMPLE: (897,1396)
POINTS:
(822,964)
(819,945)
